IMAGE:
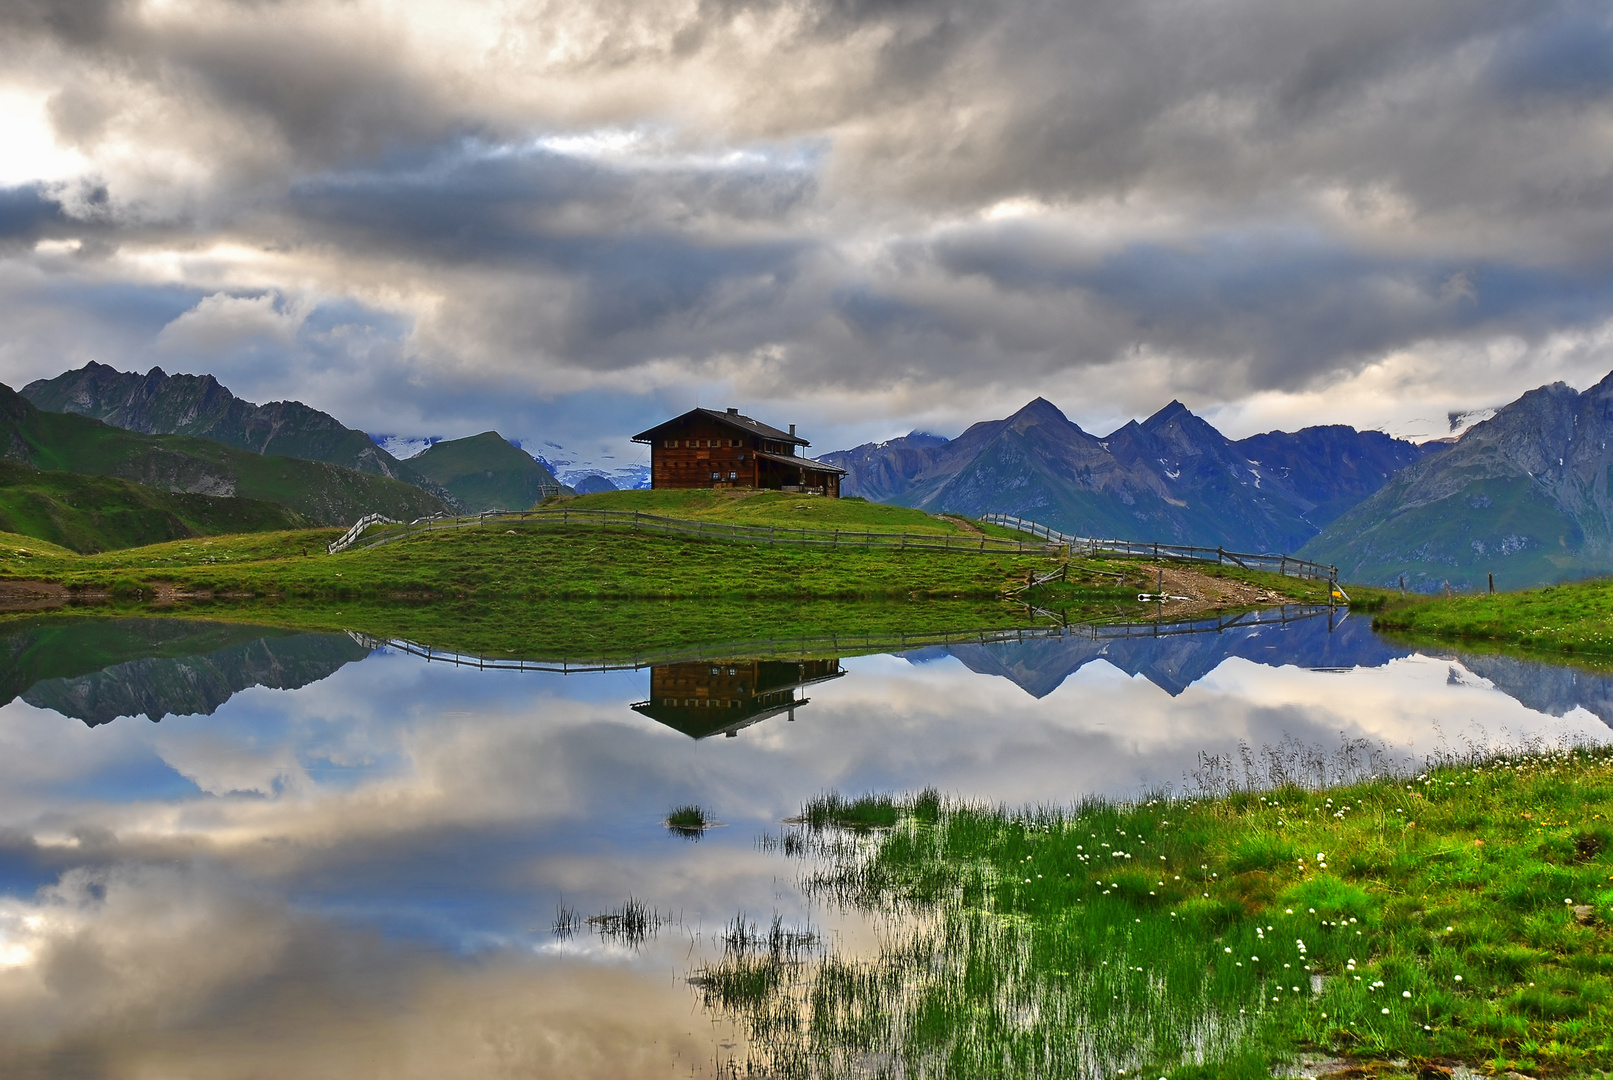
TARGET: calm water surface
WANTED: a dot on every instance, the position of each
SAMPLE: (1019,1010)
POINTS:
(328,859)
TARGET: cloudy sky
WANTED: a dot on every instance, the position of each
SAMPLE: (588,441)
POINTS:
(563,220)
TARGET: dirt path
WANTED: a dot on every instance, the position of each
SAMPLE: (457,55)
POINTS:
(47,595)
(962,524)
(32,596)
(1203,593)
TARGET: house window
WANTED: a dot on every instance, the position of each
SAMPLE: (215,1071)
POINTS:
(671,443)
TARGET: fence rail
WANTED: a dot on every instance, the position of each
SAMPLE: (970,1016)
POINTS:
(1281,564)
(753,534)
(754,649)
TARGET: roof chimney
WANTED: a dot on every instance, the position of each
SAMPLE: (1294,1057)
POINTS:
(792,429)
(733,412)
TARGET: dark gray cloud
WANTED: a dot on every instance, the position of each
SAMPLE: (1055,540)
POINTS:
(855,204)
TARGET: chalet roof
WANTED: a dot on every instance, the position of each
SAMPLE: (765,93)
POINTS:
(803,462)
(732,419)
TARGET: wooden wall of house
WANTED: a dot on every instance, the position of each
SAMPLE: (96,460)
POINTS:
(703,454)
(698,451)
(700,448)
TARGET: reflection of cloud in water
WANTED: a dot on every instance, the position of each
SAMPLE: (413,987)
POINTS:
(163,971)
(345,879)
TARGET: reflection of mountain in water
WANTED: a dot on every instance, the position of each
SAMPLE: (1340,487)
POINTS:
(1174,657)
(701,698)
(98,670)
(1555,691)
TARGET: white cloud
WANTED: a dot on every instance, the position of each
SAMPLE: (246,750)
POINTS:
(221,323)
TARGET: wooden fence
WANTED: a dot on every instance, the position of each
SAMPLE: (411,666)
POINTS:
(374,530)
(357,539)
(1280,564)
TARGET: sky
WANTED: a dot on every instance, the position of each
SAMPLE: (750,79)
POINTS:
(566,221)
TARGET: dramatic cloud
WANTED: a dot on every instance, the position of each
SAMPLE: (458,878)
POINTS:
(563,219)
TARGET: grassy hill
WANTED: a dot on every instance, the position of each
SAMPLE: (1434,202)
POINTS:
(322,493)
(781,508)
(98,513)
(549,559)
(485,472)
(1573,621)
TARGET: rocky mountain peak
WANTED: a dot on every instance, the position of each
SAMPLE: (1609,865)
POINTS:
(1038,411)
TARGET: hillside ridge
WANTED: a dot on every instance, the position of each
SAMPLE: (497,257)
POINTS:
(158,403)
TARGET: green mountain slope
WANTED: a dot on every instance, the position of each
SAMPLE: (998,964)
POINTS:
(486,473)
(157,403)
(1527,495)
(325,494)
(100,513)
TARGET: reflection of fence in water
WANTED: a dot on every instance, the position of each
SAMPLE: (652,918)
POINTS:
(847,644)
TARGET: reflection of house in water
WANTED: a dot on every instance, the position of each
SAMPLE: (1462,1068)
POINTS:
(704,697)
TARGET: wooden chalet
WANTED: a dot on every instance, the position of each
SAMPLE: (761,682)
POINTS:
(705,448)
(702,698)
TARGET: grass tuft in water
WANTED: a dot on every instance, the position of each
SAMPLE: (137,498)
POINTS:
(688,821)
(631,924)
(834,811)
(567,922)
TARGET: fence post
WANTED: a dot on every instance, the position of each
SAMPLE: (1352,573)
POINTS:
(1218,554)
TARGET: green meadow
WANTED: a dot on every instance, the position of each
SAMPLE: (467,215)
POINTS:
(1404,924)
(1561,622)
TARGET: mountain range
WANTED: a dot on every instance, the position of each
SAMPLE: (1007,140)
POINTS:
(1172,477)
(323,493)
(157,403)
(483,472)
(1526,495)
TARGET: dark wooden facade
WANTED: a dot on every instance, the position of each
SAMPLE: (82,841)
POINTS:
(703,698)
(704,448)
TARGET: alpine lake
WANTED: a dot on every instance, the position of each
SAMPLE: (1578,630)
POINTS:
(232,850)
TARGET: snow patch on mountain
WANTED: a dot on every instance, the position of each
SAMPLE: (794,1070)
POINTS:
(572,467)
